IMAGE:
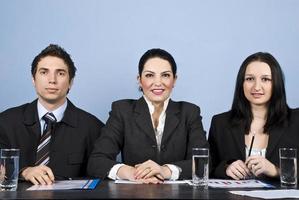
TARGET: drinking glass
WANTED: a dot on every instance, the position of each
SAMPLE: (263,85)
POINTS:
(200,167)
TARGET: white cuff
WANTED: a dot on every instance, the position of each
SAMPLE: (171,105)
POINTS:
(113,172)
(175,172)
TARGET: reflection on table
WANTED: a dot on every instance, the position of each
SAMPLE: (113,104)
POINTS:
(108,189)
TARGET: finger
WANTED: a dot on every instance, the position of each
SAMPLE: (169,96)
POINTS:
(139,172)
(34,181)
(144,173)
(40,180)
(237,169)
(50,174)
(248,160)
(254,169)
(231,174)
(236,172)
(47,179)
(239,174)
(151,180)
(259,171)
(155,180)
(242,172)
(250,164)
(160,178)
(240,166)
(153,173)
(140,169)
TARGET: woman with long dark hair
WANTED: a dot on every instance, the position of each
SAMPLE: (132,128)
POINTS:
(245,141)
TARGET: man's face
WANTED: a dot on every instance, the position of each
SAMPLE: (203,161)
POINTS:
(52,81)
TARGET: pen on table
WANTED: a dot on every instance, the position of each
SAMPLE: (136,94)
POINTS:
(160,179)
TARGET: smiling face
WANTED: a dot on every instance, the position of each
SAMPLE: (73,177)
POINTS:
(257,84)
(157,80)
(52,82)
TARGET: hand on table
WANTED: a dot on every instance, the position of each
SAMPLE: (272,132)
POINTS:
(238,170)
(41,174)
(152,171)
(259,165)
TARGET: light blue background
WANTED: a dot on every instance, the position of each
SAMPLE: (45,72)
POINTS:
(208,39)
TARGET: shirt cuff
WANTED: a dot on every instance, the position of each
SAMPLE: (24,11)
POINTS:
(175,172)
(113,172)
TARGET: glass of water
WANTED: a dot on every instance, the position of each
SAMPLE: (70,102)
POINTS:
(9,169)
(200,167)
(288,167)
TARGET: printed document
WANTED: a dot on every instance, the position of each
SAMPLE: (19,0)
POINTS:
(269,194)
(68,185)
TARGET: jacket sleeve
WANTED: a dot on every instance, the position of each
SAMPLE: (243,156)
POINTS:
(196,138)
(107,146)
(218,166)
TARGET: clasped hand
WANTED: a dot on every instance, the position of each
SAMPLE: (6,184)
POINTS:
(147,172)
(254,165)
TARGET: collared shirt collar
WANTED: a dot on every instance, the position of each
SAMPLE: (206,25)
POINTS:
(160,129)
(151,106)
(58,112)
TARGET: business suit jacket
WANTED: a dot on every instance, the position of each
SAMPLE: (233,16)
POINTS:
(227,142)
(129,129)
(71,142)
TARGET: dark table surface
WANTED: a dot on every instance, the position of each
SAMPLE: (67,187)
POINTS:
(108,189)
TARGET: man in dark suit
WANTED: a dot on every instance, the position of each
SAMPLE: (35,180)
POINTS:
(58,149)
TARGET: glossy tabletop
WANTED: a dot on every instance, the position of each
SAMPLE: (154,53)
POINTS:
(108,189)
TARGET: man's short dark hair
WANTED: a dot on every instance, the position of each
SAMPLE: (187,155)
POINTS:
(56,51)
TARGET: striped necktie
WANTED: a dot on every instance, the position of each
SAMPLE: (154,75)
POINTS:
(43,149)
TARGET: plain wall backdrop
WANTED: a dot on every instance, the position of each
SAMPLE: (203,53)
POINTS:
(209,40)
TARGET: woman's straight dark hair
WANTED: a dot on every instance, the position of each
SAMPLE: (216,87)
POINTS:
(278,110)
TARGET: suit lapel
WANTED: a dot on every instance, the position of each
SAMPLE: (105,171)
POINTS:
(31,120)
(274,139)
(143,118)
(238,133)
(70,116)
(171,120)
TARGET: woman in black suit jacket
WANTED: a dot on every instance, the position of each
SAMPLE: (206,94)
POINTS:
(259,109)
(154,134)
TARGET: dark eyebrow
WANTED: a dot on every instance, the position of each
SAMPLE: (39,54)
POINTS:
(61,70)
(254,75)
(266,75)
(43,68)
(149,71)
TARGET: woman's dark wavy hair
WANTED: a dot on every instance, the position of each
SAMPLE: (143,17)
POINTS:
(278,110)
